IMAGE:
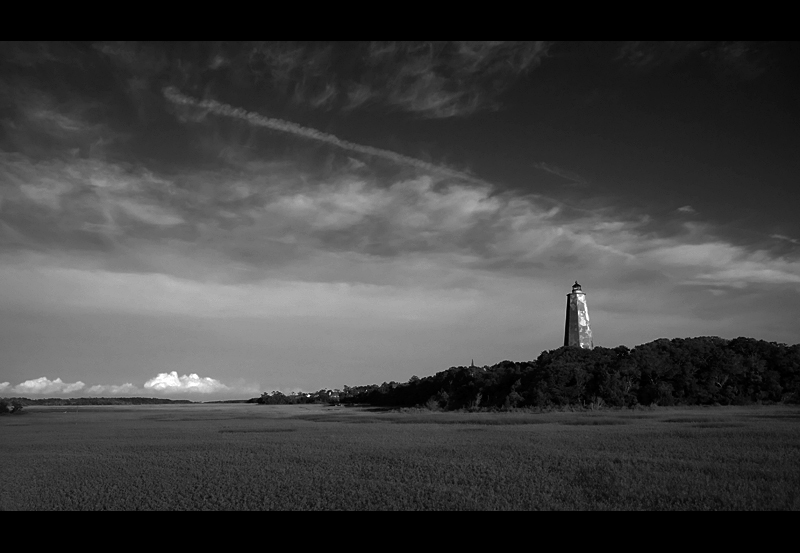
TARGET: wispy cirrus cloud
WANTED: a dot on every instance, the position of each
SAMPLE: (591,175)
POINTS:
(79,203)
(153,214)
(440,80)
(742,59)
(571,176)
(276,224)
(282,125)
(722,264)
(648,54)
(33,53)
(786,238)
(428,79)
(356,231)
(62,121)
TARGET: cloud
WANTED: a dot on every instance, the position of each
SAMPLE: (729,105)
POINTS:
(359,94)
(29,54)
(275,223)
(427,79)
(162,384)
(148,213)
(448,79)
(785,238)
(192,384)
(647,54)
(46,193)
(61,121)
(721,264)
(173,95)
(74,202)
(748,273)
(126,389)
(686,209)
(416,250)
(43,385)
(406,209)
(103,291)
(563,173)
(256,244)
(742,59)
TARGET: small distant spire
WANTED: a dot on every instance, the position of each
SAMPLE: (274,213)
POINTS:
(472,363)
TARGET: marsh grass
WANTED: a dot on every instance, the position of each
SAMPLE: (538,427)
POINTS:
(245,456)
(255,430)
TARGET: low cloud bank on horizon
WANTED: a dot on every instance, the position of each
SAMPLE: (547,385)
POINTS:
(162,384)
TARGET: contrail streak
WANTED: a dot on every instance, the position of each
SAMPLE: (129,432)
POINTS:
(174,96)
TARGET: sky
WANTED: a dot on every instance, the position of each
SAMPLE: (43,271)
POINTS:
(216,220)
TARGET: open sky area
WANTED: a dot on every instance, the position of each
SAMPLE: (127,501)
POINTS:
(216,220)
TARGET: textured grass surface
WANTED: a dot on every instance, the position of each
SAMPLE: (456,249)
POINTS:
(313,457)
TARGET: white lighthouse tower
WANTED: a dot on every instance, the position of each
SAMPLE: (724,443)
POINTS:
(576,330)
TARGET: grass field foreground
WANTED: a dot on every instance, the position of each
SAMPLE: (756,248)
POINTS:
(246,456)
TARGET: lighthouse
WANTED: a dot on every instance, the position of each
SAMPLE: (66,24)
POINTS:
(576,329)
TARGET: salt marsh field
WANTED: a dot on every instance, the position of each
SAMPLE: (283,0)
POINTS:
(315,457)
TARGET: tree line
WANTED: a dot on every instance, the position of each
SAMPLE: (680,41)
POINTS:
(682,371)
(10,406)
(279,398)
